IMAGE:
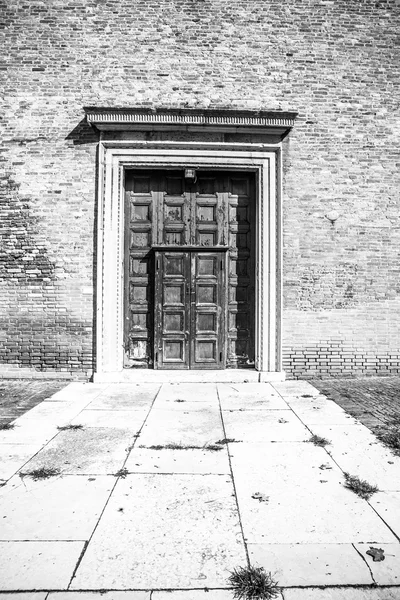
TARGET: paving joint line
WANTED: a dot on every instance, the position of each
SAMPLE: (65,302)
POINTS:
(382,519)
(233,479)
(365,561)
(85,545)
(110,494)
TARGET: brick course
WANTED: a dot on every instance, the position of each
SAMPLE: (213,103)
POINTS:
(335,62)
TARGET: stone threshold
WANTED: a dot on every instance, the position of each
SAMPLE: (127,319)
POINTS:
(189,376)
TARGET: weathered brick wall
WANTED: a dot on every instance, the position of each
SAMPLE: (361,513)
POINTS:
(336,62)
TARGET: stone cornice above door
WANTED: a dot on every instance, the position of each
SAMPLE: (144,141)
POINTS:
(274,125)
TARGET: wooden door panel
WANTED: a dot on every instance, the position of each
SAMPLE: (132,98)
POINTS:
(206,294)
(241,285)
(207,310)
(206,322)
(205,353)
(216,211)
(174,294)
(140,200)
(173,322)
(172,210)
(174,354)
(172,275)
(189,312)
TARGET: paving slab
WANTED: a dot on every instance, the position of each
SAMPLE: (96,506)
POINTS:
(387,571)
(196,427)
(264,426)
(358,452)
(37,565)
(295,388)
(311,564)
(59,508)
(29,432)
(91,451)
(194,595)
(13,457)
(125,396)
(187,405)
(320,410)
(250,396)
(120,419)
(54,413)
(145,460)
(164,531)
(79,390)
(285,461)
(303,503)
(188,391)
(387,505)
(126,595)
(187,397)
(342,593)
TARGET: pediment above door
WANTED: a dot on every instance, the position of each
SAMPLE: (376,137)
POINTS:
(274,125)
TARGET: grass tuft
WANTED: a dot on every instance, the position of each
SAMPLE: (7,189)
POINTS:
(317,440)
(360,487)
(122,473)
(391,438)
(42,473)
(226,441)
(250,583)
(70,427)
(7,426)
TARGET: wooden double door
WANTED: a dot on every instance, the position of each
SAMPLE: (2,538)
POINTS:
(190,309)
(189,269)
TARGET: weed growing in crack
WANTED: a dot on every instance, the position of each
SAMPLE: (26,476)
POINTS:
(70,427)
(122,473)
(227,441)
(317,440)
(251,583)
(260,497)
(359,486)
(211,447)
(7,426)
(41,473)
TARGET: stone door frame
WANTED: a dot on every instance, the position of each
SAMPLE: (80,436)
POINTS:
(114,156)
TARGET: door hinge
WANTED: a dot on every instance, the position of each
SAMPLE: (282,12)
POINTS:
(220,356)
(157,357)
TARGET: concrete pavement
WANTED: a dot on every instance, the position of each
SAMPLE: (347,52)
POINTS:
(160,487)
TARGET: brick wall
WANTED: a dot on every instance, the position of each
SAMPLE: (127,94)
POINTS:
(336,62)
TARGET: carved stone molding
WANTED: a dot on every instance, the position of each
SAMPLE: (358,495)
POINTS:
(273,123)
(113,159)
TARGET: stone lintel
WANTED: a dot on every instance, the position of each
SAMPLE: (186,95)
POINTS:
(274,123)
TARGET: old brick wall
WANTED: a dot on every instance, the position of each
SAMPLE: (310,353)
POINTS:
(336,62)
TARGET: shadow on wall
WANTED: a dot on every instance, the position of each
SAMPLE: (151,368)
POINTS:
(83,133)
